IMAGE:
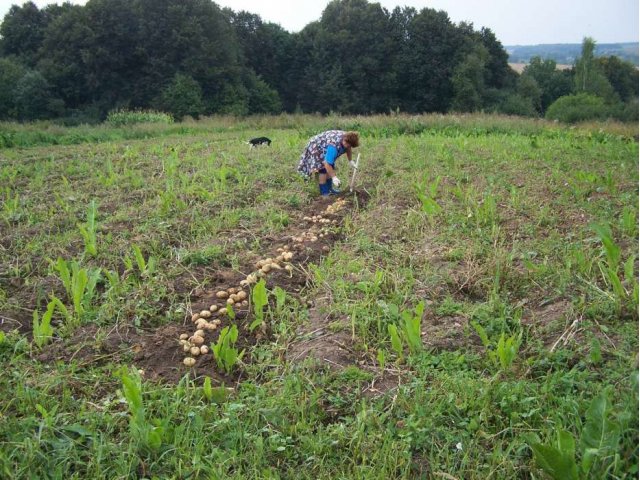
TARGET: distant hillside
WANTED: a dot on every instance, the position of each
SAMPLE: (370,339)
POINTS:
(566,53)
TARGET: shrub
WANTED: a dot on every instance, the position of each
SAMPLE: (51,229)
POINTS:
(119,118)
(515,104)
(182,97)
(577,108)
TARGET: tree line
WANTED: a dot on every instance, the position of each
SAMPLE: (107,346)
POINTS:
(193,58)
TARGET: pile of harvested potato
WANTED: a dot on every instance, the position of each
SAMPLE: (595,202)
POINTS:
(194,345)
(317,219)
(235,296)
(336,206)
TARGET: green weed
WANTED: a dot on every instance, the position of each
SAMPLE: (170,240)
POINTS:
(259,300)
(89,229)
(224,352)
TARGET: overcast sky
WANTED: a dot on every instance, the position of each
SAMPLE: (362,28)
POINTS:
(515,22)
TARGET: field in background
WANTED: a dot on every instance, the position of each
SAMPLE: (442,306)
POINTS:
(470,311)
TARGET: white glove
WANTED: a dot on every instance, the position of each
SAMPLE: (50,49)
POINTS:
(335,182)
(353,165)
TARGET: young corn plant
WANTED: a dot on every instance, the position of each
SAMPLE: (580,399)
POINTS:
(411,327)
(486,211)
(259,300)
(10,206)
(506,349)
(88,230)
(147,434)
(224,352)
(409,333)
(625,290)
(426,192)
(80,285)
(42,329)
(396,341)
(146,267)
(629,221)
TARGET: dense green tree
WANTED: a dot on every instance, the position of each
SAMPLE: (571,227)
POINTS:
(431,51)
(497,73)
(22,32)
(35,99)
(622,75)
(589,77)
(191,57)
(65,49)
(527,88)
(11,71)
(468,81)
(352,40)
(182,97)
(553,83)
(266,48)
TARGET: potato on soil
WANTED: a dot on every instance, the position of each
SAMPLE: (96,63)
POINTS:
(204,350)
(186,347)
(189,362)
(241,295)
(197,340)
(199,333)
(184,336)
(230,301)
(222,311)
(213,308)
(195,317)
(222,294)
(232,290)
(201,323)
(195,351)
(205,314)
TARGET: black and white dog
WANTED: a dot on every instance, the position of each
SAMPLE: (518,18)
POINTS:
(254,142)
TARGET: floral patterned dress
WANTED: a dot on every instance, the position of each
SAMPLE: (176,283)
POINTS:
(315,151)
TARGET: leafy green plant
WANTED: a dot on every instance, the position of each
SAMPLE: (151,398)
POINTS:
(557,460)
(213,394)
(88,230)
(259,300)
(506,349)
(10,205)
(147,434)
(426,192)
(42,329)
(486,211)
(410,330)
(80,285)
(224,352)
(396,341)
(625,293)
(598,446)
(411,327)
(145,267)
(629,221)
(281,298)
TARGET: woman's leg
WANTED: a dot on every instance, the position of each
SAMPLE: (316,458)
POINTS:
(322,182)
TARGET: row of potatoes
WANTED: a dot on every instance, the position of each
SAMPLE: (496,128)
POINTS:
(194,345)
